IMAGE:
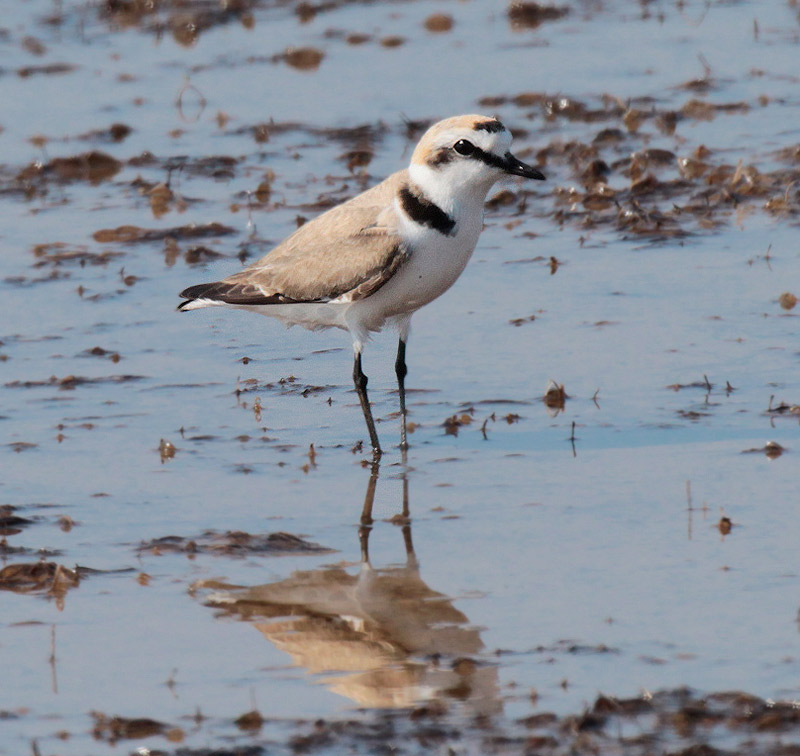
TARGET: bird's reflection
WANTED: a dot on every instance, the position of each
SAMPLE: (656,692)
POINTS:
(382,637)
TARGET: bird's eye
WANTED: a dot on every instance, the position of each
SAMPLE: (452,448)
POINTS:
(463,147)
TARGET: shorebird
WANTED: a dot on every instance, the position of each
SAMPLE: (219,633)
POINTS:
(374,260)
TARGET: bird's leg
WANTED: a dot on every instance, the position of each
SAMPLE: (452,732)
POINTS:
(360,381)
(369,497)
(366,512)
(401,370)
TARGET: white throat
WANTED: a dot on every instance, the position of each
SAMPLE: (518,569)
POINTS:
(449,189)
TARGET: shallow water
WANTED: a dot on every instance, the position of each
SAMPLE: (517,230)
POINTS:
(564,552)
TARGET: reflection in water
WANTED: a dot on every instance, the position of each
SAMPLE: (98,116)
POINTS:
(40,577)
(390,639)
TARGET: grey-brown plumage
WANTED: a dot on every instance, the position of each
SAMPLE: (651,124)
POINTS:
(351,250)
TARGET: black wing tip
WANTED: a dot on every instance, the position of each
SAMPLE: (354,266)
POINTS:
(195,292)
(232,294)
(198,290)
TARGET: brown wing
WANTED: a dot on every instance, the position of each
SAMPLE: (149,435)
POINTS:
(350,252)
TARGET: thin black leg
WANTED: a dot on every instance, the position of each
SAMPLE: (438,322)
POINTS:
(360,381)
(402,370)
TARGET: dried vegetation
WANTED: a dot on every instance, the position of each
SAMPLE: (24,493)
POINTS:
(673,723)
(232,543)
(615,175)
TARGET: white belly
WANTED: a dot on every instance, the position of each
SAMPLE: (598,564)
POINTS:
(421,280)
(435,264)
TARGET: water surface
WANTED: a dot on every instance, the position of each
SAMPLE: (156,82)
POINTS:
(638,539)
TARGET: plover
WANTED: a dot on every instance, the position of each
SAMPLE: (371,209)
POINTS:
(374,260)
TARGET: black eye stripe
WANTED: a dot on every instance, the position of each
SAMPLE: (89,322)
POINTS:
(488,158)
(467,149)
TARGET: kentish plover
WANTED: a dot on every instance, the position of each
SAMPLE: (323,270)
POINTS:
(377,258)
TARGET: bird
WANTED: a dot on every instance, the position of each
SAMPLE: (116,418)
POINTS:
(374,260)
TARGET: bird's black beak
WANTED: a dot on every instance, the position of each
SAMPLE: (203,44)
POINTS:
(518,168)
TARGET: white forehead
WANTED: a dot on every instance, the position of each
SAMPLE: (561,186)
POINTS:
(483,131)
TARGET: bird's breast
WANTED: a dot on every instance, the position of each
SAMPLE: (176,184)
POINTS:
(434,264)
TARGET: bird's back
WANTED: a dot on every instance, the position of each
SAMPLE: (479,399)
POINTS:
(348,248)
(336,247)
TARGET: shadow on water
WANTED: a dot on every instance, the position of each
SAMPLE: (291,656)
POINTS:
(382,638)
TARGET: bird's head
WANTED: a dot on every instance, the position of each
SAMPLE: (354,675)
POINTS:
(465,154)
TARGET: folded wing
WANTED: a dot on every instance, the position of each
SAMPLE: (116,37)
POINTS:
(345,254)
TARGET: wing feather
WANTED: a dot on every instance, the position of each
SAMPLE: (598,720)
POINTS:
(347,253)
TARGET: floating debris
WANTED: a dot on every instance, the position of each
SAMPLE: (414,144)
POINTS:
(771,449)
(439,22)
(303,58)
(117,132)
(284,386)
(250,721)
(705,384)
(530,15)
(166,449)
(113,729)
(93,167)
(33,577)
(100,352)
(58,253)
(45,70)
(455,422)
(137,235)
(233,543)
(70,382)
(783,408)
(555,397)
(521,321)
(10,522)
(21,446)
(693,415)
